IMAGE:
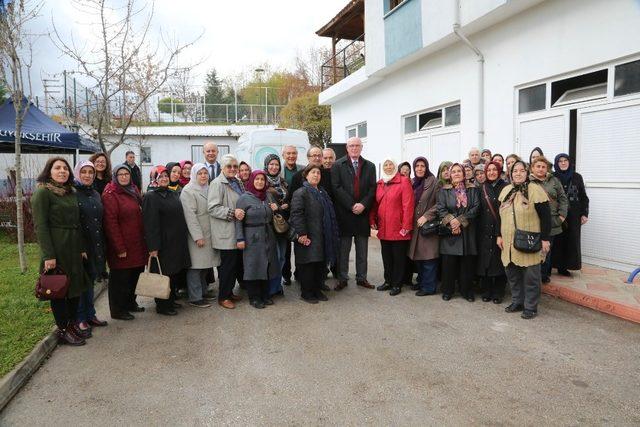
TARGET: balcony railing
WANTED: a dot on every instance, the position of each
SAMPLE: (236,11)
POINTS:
(345,62)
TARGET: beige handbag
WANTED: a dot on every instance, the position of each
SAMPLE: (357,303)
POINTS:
(153,284)
(280,224)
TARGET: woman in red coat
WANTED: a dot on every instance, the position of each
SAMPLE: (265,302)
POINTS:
(392,216)
(126,249)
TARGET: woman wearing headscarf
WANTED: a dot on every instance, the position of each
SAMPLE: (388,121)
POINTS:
(276,197)
(468,173)
(509,161)
(244,171)
(392,216)
(558,203)
(526,205)
(489,266)
(500,161)
(185,172)
(405,169)
(224,192)
(196,213)
(153,178)
(103,171)
(315,231)
(566,253)
(423,250)
(443,174)
(90,206)
(257,240)
(485,155)
(126,248)
(535,153)
(166,234)
(56,218)
(175,173)
(478,175)
(458,206)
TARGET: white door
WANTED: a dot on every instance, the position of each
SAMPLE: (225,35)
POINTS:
(416,147)
(444,147)
(608,149)
(550,133)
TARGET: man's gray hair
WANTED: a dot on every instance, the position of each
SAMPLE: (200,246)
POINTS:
(329,149)
(289,146)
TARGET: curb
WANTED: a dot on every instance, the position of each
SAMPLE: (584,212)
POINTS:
(12,382)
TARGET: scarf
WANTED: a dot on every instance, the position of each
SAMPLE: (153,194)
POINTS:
(441,181)
(418,182)
(329,224)
(460,189)
(184,181)
(170,166)
(193,179)
(260,194)
(130,188)
(388,177)
(57,189)
(564,176)
(538,149)
(518,188)
(275,181)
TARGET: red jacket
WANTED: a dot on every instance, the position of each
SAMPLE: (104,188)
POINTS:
(123,228)
(393,210)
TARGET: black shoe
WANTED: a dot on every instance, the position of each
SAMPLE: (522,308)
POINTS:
(486,299)
(169,312)
(123,316)
(395,291)
(384,287)
(201,304)
(286,282)
(321,297)
(136,309)
(176,305)
(325,288)
(415,287)
(513,308)
(546,279)
(497,300)
(529,314)
(470,298)
(446,297)
(257,304)
(309,300)
(564,273)
(422,293)
(268,301)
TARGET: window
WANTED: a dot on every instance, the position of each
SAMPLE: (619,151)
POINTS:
(145,155)
(533,98)
(359,130)
(627,79)
(389,5)
(448,116)
(586,87)
(410,125)
(430,120)
(452,115)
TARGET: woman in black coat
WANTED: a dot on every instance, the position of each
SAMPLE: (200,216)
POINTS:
(458,204)
(566,253)
(489,265)
(166,235)
(315,228)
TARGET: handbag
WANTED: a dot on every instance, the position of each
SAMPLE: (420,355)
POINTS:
(280,224)
(52,284)
(525,241)
(153,284)
(429,228)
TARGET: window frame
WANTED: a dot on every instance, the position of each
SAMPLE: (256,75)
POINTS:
(150,154)
(356,127)
(441,126)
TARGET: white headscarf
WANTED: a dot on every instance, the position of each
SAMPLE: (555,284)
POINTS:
(194,177)
(385,177)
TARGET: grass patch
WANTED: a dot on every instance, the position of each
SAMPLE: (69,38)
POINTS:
(24,320)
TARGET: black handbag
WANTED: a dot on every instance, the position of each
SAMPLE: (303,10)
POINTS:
(525,241)
(429,228)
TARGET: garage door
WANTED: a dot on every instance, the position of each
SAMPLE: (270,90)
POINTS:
(608,149)
(549,133)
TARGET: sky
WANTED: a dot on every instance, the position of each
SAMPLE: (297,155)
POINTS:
(237,35)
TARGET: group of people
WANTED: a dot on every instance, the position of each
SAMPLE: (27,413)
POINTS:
(457,227)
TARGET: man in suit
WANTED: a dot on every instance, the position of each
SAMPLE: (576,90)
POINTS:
(354,186)
(314,157)
(210,160)
(136,175)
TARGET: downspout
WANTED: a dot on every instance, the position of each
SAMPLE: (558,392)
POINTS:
(458,32)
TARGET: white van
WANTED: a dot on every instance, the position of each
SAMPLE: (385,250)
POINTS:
(255,145)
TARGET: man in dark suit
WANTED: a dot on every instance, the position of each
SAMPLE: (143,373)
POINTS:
(211,160)
(314,157)
(354,186)
(136,174)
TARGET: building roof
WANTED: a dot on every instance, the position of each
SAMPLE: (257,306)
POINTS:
(195,130)
(348,24)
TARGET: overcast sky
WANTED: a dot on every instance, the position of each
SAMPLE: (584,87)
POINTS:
(238,34)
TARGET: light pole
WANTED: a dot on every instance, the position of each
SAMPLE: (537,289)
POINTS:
(259,72)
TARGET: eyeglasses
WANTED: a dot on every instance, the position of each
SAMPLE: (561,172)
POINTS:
(123,174)
(315,155)
(231,167)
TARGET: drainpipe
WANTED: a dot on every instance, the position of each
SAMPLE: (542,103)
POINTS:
(458,32)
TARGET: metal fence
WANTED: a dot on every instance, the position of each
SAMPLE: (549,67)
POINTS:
(197,112)
(345,62)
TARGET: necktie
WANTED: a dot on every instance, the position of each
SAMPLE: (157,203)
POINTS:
(355,165)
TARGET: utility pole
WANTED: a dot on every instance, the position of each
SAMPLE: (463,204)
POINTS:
(50,84)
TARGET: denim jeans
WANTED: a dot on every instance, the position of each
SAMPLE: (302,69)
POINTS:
(427,272)
(275,283)
(86,309)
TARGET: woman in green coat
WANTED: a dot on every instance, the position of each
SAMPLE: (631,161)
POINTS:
(57,222)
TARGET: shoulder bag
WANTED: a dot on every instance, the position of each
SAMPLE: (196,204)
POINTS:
(525,241)
(52,284)
(153,284)
(280,225)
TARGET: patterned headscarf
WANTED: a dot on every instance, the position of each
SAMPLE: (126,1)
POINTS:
(275,181)
(460,188)
(129,188)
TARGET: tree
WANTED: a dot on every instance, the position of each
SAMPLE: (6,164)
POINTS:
(164,105)
(217,91)
(304,113)
(15,65)
(122,65)
(3,92)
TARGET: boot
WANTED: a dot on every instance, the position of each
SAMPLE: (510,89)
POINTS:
(80,333)
(66,337)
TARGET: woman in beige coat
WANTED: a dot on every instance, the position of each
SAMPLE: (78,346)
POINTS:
(196,213)
(423,250)
(224,192)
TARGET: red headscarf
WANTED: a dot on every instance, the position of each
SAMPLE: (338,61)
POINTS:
(184,181)
(260,194)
